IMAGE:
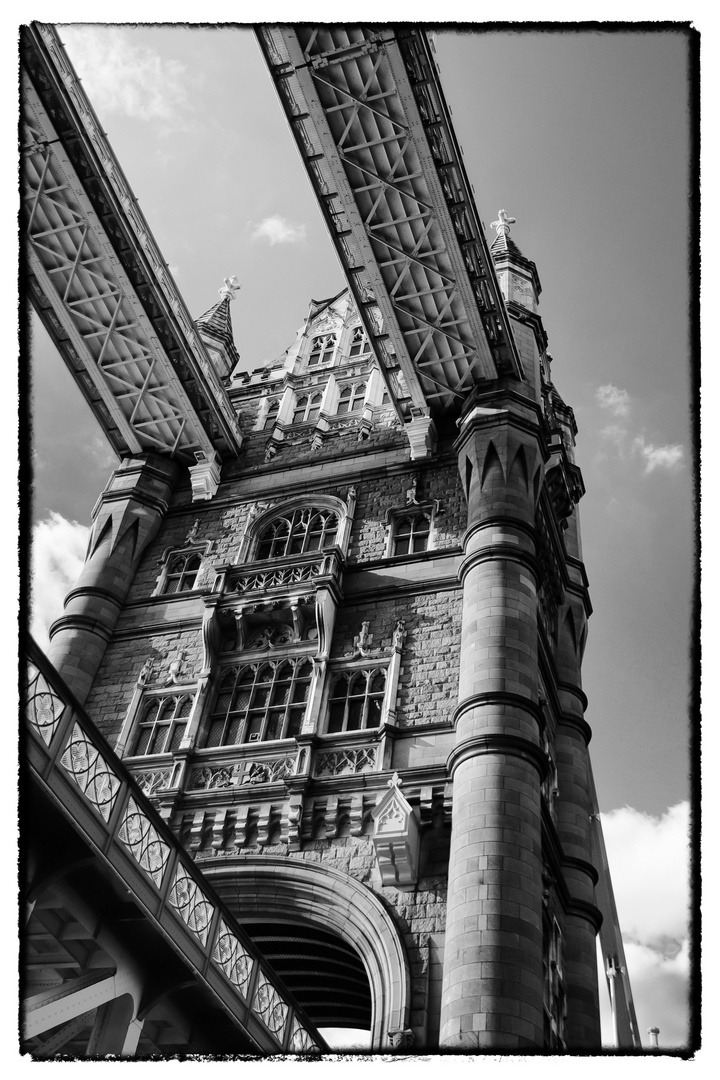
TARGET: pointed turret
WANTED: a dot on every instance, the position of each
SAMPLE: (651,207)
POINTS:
(215,328)
(517,275)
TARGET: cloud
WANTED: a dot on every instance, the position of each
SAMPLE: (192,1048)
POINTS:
(618,403)
(122,77)
(612,398)
(659,457)
(58,554)
(278,230)
(649,865)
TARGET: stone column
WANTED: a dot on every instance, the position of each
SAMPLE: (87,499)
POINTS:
(492,986)
(125,518)
(582,919)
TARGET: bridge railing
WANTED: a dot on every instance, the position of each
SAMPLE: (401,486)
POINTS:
(78,768)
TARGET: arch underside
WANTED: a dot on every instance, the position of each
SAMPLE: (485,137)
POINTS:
(327,935)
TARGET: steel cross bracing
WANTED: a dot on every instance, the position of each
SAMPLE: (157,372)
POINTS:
(114,315)
(372,127)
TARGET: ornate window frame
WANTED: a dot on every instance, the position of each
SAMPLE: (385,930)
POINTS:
(146,690)
(345,706)
(413,511)
(262,700)
(190,550)
(322,345)
(358,342)
(261,515)
(351,397)
(310,403)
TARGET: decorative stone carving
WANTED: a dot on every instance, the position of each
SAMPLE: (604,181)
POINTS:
(396,837)
(147,672)
(399,634)
(346,762)
(401,1040)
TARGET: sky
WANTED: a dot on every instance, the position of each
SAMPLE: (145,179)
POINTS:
(583,137)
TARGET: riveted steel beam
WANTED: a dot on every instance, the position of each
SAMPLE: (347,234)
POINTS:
(99,283)
(370,121)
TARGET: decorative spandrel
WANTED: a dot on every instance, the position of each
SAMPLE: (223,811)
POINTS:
(189,902)
(233,959)
(142,840)
(44,708)
(91,773)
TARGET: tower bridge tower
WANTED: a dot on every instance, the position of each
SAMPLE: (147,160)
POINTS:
(334,633)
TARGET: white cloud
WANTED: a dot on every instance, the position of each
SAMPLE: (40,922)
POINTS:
(58,554)
(121,77)
(612,398)
(278,230)
(649,866)
(659,457)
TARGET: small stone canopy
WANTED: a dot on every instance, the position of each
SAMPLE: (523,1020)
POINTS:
(396,837)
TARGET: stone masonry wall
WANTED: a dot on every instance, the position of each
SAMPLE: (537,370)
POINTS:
(429,674)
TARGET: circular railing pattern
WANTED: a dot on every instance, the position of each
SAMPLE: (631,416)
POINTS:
(143,841)
(90,772)
(189,902)
(232,958)
(270,1007)
(44,708)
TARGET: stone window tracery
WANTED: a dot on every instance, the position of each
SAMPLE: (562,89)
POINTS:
(303,529)
(307,408)
(356,700)
(182,572)
(322,349)
(359,342)
(162,724)
(272,414)
(260,702)
(410,534)
(351,398)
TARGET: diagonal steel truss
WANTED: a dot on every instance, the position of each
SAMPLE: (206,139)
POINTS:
(370,122)
(112,310)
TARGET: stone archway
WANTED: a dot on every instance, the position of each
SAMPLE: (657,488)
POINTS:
(259,888)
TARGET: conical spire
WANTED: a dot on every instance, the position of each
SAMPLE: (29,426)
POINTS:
(215,328)
(517,275)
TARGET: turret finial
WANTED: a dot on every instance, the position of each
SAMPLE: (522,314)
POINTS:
(230,287)
(503,223)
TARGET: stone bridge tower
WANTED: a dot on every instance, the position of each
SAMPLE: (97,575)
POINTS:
(334,608)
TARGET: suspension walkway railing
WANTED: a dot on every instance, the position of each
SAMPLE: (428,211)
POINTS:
(76,767)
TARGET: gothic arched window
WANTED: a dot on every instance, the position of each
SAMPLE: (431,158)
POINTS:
(411,534)
(358,342)
(162,724)
(307,408)
(322,349)
(260,702)
(356,700)
(182,572)
(351,398)
(272,414)
(303,529)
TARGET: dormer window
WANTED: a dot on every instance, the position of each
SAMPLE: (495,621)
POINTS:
(351,398)
(359,343)
(322,349)
(307,409)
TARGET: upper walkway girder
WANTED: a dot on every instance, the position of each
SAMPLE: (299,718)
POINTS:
(370,121)
(99,282)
